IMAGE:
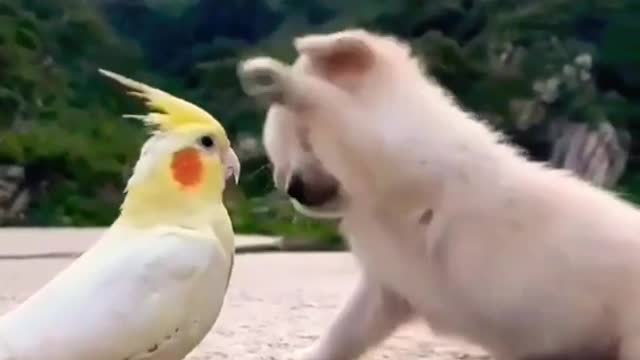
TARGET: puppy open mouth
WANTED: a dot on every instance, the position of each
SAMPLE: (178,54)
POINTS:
(331,209)
(318,200)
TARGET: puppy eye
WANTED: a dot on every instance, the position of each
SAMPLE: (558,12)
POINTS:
(206,142)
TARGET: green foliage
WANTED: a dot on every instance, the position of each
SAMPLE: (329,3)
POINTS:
(500,58)
(56,119)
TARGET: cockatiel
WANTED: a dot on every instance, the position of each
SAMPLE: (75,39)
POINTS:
(153,285)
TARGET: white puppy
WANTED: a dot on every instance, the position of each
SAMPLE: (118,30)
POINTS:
(448,222)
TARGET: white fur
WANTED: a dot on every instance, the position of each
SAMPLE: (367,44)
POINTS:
(514,256)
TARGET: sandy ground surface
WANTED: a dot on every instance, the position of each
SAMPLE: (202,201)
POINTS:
(277,302)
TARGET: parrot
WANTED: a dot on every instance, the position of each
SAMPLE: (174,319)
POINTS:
(153,285)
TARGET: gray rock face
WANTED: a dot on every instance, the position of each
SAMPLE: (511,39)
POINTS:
(14,198)
(597,154)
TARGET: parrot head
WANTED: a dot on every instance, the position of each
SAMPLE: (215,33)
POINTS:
(183,167)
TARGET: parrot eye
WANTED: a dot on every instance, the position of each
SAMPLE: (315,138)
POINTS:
(206,142)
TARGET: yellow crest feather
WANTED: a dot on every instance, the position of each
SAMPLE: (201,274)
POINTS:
(170,112)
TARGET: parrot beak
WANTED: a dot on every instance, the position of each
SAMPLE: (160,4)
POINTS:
(232,165)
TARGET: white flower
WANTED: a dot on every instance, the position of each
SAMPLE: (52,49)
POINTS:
(549,97)
(553,83)
(585,76)
(538,86)
(569,71)
(248,146)
(550,92)
(584,60)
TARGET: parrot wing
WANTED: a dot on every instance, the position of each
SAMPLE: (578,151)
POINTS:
(120,302)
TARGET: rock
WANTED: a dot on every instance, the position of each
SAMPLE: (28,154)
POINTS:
(19,204)
(12,172)
(14,198)
(7,188)
(597,154)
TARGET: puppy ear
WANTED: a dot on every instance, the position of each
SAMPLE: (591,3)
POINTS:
(338,53)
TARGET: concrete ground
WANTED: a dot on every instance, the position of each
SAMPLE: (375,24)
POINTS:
(277,302)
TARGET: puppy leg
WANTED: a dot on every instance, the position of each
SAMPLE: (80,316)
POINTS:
(371,314)
(272,82)
(629,349)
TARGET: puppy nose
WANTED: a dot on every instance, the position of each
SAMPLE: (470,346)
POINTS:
(295,189)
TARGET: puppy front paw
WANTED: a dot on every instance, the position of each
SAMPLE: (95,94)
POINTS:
(264,79)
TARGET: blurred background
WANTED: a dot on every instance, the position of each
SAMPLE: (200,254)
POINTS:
(560,77)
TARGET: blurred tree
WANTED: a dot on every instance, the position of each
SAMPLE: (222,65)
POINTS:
(55,117)
(562,78)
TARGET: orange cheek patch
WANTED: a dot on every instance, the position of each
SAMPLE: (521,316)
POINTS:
(187,167)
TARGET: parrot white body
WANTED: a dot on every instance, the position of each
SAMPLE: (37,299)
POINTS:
(153,285)
(124,300)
